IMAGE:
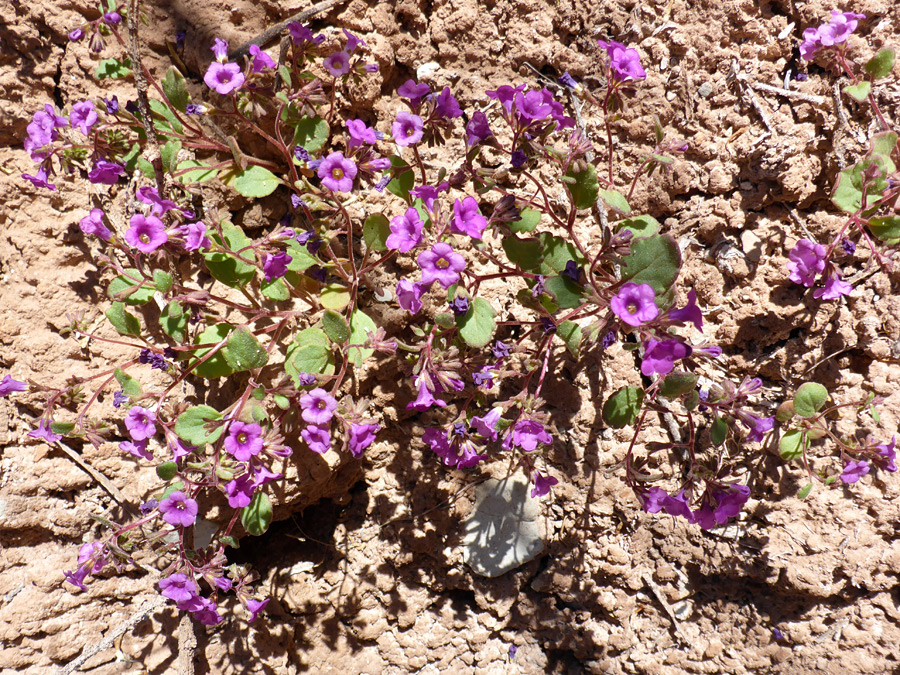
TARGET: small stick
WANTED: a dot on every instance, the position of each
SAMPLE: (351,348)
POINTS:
(789,93)
(105,482)
(747,91)
(665,605)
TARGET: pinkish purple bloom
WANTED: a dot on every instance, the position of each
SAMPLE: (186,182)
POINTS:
(83,117)
(807,261)
(409,295)
(275,265)
(506,95)
(207,612)
(730,501)
(337,63)
(653,499)
(689,313)
(76,35)
(530,106)
(243,441)
(224,77)
(542,484)
(40,179)
(318,407)
(141,423)
(220,49)
(240,491)
(180,448)
(407,128)
(150,196)
(467,218)
(441,264)
(317,438)
(136,448)
(486,425)
(477,130)
(147,233)
(834,288)
(104,172)
(527,434)
(179,510)
(361,437)
(337,172)
(178,587)
(261,60)
(660,356)
(300,33)
(195,236)
(885,455)
(678,506)
(353,42)
(429,194)
(425,399)
(42,131)
(44,431)
(445,105)
(635,304)
(9,385)
(759,426)
(414,92)
(624,64)
(262,474)
(360,133)
(255,607)
(406,231)
(854,470)
(94,553)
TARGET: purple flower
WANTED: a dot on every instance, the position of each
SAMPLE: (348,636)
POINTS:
(425,399)
(262,474)
(608,339)
(352,41)
(337,63)
(886,455)
(567,80)
(834,288)
(414,92)
(195,236)
(318,407)
(360,133)
(542,484)
(688,313)
(42,131)
(276,264)
(39,180)
(853,471)
(9,385)
(300,33)
(120,399)
(660,356)
(506,95)
(486,426)
(83,116)
(500,350)
(429,194)
(147,233)
(530,106)
(446,105)
(839,27)
(441,264)
(255,607)
(848,246)
(141,423)
(179,448)
(306,379)
(729,502)
(407,128)
(178,587)
(76,35)
(180,37)
(136,448)
(194,109)
(150,196)
(635,304)
(517,159)
(807,261)
(224,77)
(179,510)
(678,506)
(572,271)
(207,613)
(244,441)
(759,426)
(112,104)
(467,218)
(317,438)
(240,491)
(409,294)
(77,578)
(361,437)
(95,553)
(261,60)
(459,306)
(337,173)
(624,64)
(378,164)
(406,231)
(653,500)
(105,172)
(527,434)
(112,18)
(220,49)
(477,130)
(43,431)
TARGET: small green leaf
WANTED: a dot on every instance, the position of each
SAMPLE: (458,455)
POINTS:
(122,321)
(527,254)
(131,288)
(361,325)
(792,445)
(174,321)
(565,292)
(224,266)
(163,281)
(169,155)
(171,123)
(570,333)
(376,230)
(311,133)
(243,351)
(557,252)
(860,91)
(275,290)
(616,201)
(301,258)
(640,226)
(677,384)
(62,428)
(403,179)
(216,365)
(718,432)
(477,326)
(445,320)
(175,89)
(809,399)
(655,260)
(584,186)
(194,172)
(804,491)
(335,327)
(884,143)
(885,228)
(254,181)
(282,401)
(167,470)
(622,408)
(130,386)
(528,220)
(881,64)
(335,296)
(193,425)
(113,68)
(309,353)
(257,516)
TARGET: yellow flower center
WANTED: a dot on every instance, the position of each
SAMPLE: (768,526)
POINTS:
(145,238)
(242,438)
(631,307)
(337,174)
(442,263)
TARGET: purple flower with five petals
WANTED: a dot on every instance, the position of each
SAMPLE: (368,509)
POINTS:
(406,231)
(467,218)
(243,441)
(8,385)
(542,484)
(141,423)
(624,63)
(635,304)
(477,130)
(179,510)
(660,356)
(361,437)
(414,92)
(317,438)
(261,60)
(147,233)
(337,63)
(807,261)
(407,129)
(337,172)
(441,264)
(224,77)
(854,470)
(105,172)
(83,116)
(275,265)
(409,295)
(318,407)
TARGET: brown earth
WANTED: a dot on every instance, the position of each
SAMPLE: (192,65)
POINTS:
(372,580)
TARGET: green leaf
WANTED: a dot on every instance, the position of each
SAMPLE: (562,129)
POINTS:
(616,201)
(881,64)
(309,353)
(194,172)
(860,91)
(224,266)
(792,445)
(804,491)
(257,516)
(130,386)
(282,401)
(335,327)
(192,425)
(848,194)
(216,365)
(584,187)
(885,228)
(677,384)
(622,408)
(275,290)
(174,321)
(883,143)
(570,333)
(655,261)
(243,351)
(167,470)
(175,89)
(163,281)
(62,428)
(122,321)
(403,179)
(171,123)
(528,220)
(128,289)
(640,226)
(311,133)
(254,181)
(301,258)
(526,253)
(146,167)
(565,292)
(477,326)
(376,230)
(719,431)
(169,155)
(557,252)
(335,296)
(113,68)
(809,399)
(360,326)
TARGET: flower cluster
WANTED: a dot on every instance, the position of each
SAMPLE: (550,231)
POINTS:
(831,34)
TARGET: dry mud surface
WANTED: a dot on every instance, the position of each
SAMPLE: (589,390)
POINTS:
(372,580)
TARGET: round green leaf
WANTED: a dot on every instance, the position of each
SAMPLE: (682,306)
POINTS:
(528,220)
(809,399)
(361,325)
(792,445)
(257,516)
(255,181)
(616,201)
(881,64)
(376,230)
(192,425)
(477,326)
(131,288)
(622,408)
(335,327)
(584,186)
(174,321)
(166,470)
(243,351)
(655,260)
(216,365)
(122,321)
(719,431)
